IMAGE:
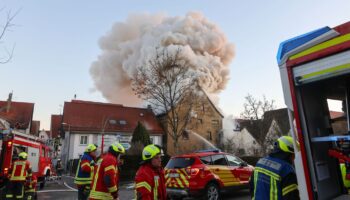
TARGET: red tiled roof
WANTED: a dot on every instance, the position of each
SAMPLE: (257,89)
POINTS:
(34,129)
(335,114)
(91,116)
(20,114)
(56,121)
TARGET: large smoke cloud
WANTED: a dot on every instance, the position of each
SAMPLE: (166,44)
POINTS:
(130,44)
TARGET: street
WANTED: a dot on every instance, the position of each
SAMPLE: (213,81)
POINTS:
(65,190)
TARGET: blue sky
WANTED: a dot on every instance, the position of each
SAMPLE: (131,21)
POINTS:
(56,42)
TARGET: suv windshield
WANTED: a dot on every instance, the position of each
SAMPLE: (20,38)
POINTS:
(176,163)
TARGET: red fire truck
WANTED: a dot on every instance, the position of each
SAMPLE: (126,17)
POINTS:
(13,142)
(315,74)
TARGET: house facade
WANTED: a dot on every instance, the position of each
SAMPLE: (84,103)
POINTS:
(85,122)
(204,130)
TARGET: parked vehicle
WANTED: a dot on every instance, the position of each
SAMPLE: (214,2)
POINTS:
(206,172)
(14,142)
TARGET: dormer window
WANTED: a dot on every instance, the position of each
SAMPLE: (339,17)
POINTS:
(122,122)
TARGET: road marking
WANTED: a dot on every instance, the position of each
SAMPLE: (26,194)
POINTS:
(68,176)
(45,191)
(65,184)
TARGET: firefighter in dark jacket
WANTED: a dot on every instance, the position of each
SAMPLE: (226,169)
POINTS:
(20,173)
(150,180)
(274,176)
(85,172)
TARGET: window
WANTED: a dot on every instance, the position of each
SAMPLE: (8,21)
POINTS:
(233,160)
(152,140)
(219,159)
(122,122)
(215,123)
(83,140)
(209,135)
(42,152)
(206,160)
(185,135)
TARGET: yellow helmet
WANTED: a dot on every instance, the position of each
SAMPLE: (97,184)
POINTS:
(23,155)
(116,147)
(150,151)
(91,148)
(285,144)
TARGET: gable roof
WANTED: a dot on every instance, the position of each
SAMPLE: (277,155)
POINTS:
(19,115)
(259,128)
(55,128)
(336,114)
(92,116)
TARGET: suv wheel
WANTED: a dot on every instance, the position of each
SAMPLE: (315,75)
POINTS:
(212,192)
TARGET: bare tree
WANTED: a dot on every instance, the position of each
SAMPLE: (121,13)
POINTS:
(4,28)
(169,84)
(254,109)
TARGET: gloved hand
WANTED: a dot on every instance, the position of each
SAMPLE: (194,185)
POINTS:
(92,163)
(115,195)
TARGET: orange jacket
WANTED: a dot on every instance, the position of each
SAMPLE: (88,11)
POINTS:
(20,169)
(150,183)
(105,181)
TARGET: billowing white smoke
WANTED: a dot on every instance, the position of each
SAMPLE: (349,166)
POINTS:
(130,44)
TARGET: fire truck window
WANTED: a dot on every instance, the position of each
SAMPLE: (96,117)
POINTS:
(219,160)
(337,116)
(43,152)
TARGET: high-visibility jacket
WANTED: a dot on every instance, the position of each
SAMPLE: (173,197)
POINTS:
(343,173)
(275,179)
(20,169)
(106,177)
(85,170)
(150,183)
(30,186)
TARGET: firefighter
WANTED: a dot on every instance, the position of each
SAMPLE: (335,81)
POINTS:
(85,171)
(274,176)
(346,181)
(21,172)
(106,178)
(150,180)
(30,188)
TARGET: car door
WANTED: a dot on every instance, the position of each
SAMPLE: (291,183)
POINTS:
(220,168)
(240,170)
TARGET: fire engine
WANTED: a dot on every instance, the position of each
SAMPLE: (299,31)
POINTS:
(315,75)
(14,142)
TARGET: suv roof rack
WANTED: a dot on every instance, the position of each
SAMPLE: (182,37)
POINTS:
(208,150)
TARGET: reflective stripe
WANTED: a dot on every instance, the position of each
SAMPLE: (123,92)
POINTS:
(155,192)
(112,189)
(88,164)
(273,189)
(100,195)
(30,190)
(289,188)
(111,167)
(144,184)
(94,193)
(324,45)
(256,174)
(21,177)
(268,173)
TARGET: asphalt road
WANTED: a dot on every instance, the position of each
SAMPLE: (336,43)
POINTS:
(65,190)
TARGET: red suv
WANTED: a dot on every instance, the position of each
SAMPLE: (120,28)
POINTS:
(205,173)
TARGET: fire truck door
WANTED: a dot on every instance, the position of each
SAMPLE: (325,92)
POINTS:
(33,158)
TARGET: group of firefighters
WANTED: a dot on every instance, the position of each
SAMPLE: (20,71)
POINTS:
(273,178)
(98,178)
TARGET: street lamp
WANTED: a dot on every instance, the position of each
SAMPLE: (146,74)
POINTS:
(110,121)
(66,158)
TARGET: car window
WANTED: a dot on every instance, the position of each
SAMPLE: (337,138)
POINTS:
(206,160)
(218,159)
(233,160)
(176,163)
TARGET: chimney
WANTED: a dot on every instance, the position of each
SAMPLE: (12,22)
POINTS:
(9,103)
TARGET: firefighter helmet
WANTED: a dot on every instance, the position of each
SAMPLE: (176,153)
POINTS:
(91,148)
(116,147)
(23,155)
(285,144)
(150,151)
